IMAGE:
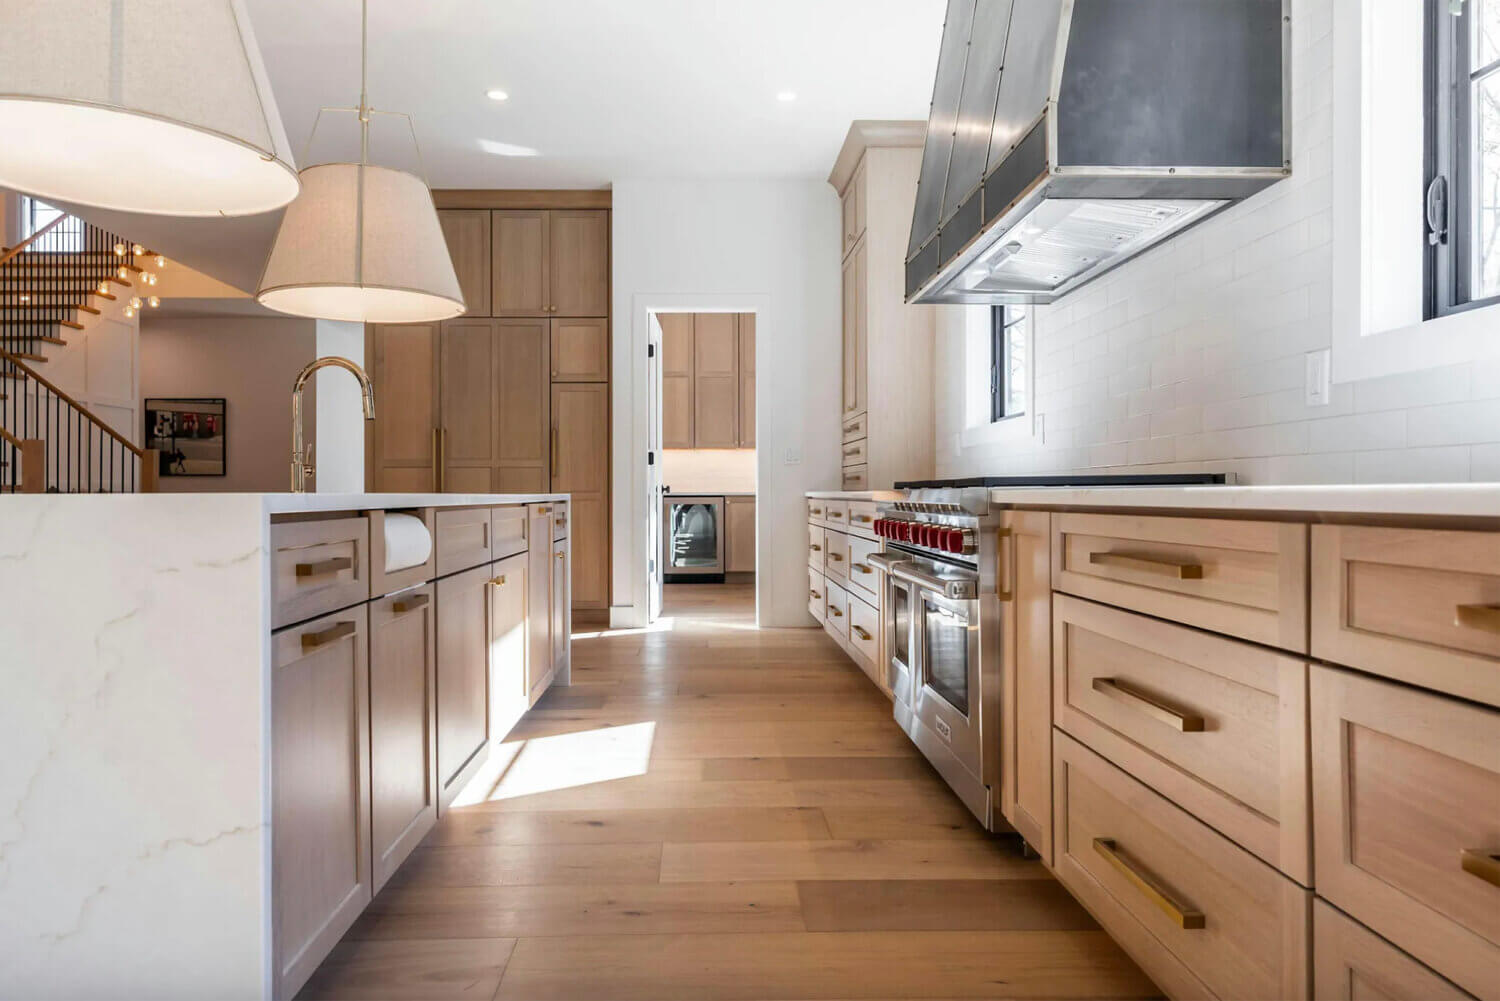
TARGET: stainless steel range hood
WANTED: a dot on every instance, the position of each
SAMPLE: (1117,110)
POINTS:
(1067,136)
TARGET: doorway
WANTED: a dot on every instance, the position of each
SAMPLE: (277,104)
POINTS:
(701,476)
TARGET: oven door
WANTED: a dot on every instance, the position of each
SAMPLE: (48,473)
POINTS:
(902,600)
(946,695)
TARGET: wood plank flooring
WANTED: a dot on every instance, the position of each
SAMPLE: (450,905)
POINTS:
(716,811)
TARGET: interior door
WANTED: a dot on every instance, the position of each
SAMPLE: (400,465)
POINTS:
(655,489)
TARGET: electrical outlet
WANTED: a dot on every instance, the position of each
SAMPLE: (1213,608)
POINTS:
(1319,392)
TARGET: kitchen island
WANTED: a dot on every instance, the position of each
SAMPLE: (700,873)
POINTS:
(228,717)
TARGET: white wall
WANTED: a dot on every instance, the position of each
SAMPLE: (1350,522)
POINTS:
(340,454)
(768,247)
(1193,356)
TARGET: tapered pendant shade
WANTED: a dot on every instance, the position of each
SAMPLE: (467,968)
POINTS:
(156,106)
(361,243)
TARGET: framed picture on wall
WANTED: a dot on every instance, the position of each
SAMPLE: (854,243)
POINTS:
(188,435)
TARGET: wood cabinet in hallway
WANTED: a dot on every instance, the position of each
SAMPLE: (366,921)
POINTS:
(708,380)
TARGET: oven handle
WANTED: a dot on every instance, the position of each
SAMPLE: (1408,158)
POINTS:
(953,590)
(883,562)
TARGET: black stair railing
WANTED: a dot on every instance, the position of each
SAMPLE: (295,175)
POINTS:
(49,277)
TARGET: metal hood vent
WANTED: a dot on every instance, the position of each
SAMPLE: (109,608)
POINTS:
(1066,136)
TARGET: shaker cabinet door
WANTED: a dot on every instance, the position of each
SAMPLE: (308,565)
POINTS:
(462,677)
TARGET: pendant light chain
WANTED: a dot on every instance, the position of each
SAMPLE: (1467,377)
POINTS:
(364,140)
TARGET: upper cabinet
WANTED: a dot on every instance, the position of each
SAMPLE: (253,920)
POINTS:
(716,380)
(708,373)
(468,234)
(550,262)
(580,350)
(854,210)
(404,364)
(520,269)
(676,380)
(747,380)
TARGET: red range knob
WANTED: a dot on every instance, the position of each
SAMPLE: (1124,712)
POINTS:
(879,526)
(956,541)
(929,533)
(906,531)
(919,534)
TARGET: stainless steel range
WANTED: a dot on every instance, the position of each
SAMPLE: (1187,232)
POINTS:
(943,561)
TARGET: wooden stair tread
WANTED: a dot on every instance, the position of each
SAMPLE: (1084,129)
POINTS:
(104,295)
(28,357)
(70,324)
(51,340)
(88,309)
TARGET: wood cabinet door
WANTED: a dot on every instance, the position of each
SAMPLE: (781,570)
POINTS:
(403,726)
(739,530)
(519,244)
(861,330)
(850,391)
(1026,678)
(716,381)
(562,615)
(580,350)
(467,232)
(747,380)
(320,789)
(539,598)
(676,379)
(462,677)
(580,416)
(522,402)
(405,373)
(508,640)
(470,419)
(578,261)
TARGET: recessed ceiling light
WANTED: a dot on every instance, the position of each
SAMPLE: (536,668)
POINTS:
(497,95)
(506,149)
(787,96)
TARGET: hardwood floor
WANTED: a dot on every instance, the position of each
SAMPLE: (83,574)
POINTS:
(716,811)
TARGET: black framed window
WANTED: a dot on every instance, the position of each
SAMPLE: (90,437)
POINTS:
(1463,155)
(1010,333)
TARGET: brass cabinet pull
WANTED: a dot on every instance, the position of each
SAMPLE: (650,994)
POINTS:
(311,641)
(1481,863)
(1150,887)
(1001,591)
(560,555)
(835,514)
(325,567)
(1158,710)
(836,557)
(814,594)
(554,451)
(814,547)
(863,519)
(498,581)
(860,567)
(864,633)
(411,604)
(1149,564)
(836,613)
(852,451)
(1484,617)
(816,510)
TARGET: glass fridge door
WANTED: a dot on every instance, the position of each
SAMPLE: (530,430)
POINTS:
(693,536)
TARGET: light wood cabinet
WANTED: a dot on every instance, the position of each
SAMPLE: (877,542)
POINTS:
(580,414)
(467,232)
(849,393)
(493,434)
(320,789)
(508,590)
(561,617)
(1026,678)
(318,566)
(854,211)
(539,667)
(462,677)
(716,383)
(520,252)
(463,537)
(403,726)
(580,350)
(676,380)
(708,380)
(747,380)
(578,262)
(1352,963)
(404,368)
(739,534)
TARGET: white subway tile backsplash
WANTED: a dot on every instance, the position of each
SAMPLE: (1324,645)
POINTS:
(1454,423)
(1359,432)
(1413,465)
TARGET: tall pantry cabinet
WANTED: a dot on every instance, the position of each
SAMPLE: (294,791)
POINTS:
(887,424)
(512,397)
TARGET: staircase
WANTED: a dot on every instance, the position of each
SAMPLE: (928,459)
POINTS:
(49,284)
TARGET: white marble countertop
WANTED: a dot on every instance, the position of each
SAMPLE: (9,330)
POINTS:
(1453,500)
(858,495)
(305,503)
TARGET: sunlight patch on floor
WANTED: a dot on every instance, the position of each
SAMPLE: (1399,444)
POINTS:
(665,624)
(563,761)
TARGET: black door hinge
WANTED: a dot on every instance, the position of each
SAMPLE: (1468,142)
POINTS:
(650,350)
(650,458)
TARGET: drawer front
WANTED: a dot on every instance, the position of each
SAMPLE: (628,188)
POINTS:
(463,539)
(816,509)
(1352,963)
(1155,877)
(854,453)
(1243,578)
(837,621)
(1216,725)
(864,630)
(560,521)
(864,580)
(817,595)
(318,567)
(1406,820)
(507,531)
(815,549)
(856,426)
(1413,604)
(836,514)
(836,555)
(855,478)
(862,515)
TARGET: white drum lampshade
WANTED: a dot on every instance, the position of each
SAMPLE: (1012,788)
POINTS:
(371,252)
(155,106)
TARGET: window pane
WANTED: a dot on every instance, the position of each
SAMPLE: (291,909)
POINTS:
(1017,327)
(1485,21)
(1485,255)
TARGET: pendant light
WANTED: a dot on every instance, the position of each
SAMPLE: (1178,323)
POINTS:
(362,242)
(154,106)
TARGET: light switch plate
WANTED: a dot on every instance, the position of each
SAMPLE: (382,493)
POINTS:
(1319,392)
(792,457)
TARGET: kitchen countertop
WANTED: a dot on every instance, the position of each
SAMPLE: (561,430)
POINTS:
(1449,500)
(857,495)
(308,503)
(710,493)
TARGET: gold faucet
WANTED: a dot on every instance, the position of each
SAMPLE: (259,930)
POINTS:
(302,466)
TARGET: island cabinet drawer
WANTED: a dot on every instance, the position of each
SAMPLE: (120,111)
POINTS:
(1202,917)
(1352,963)
(815,547)
(1215,725)
(836,555)
(817,595)
(1418,605)
(463,539)
(1243,578)
(862,515)
(864,632)
(1406,820)
(864,579)
(816,509)
(837,620)
(317,567)
(836,514)
(508,531)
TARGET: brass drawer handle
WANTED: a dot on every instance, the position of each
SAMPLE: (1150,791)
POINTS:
(325,567)
(498,581)
(311,641)
(1181,915)
(411,604)
(1484,617)
(863,633)
(814,547)
(863,519)
(1481,863)
(816,510)
(835,514)
(560,555)
(837,558)
(852,451)
(1126,694)
(860,567)
(836,613)
(814,594)
(1149,564)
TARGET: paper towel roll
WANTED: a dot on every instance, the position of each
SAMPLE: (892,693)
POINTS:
(408,543)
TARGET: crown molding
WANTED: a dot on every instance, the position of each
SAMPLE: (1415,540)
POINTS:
(865,133)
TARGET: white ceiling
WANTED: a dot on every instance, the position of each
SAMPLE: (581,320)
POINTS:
(604,89)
